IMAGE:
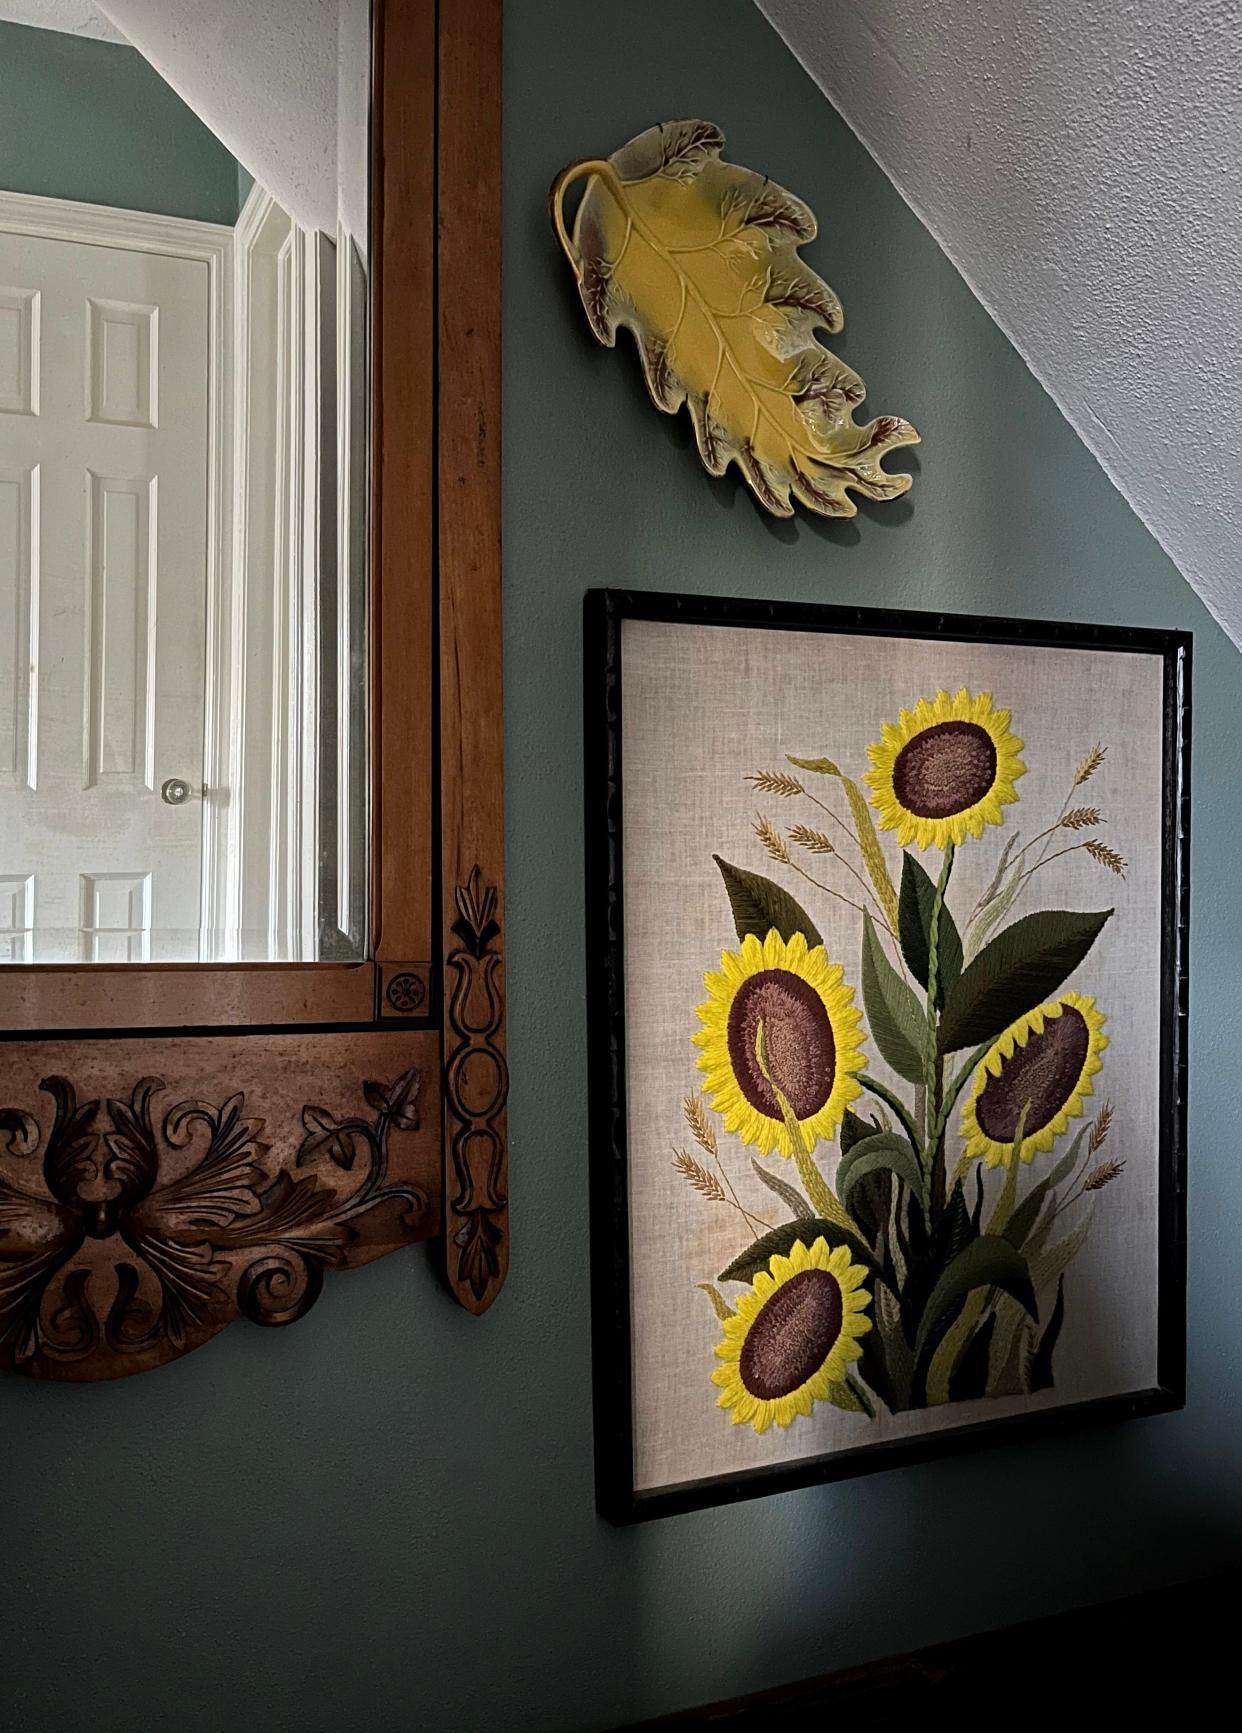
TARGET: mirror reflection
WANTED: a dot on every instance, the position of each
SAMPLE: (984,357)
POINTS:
(183,480)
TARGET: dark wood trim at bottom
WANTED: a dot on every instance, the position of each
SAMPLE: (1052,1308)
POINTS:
(1072,1660)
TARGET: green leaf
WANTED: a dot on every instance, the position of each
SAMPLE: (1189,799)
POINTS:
(897,1022)
(969,1378)
(1021,968)
(759,904)
(789,1195)
(918,894)
(720,1305)
(820,766)
(883,1150)
(1040,1375)
(1010,1347)
(986,1262)
(849,1397)
(854,1129)
(864,830)
(993,911)
(1027,1212)
(1053,1262)
(886,1344)
(756,1257)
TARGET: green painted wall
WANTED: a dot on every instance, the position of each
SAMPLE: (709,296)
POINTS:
(90,120)
(383,1517)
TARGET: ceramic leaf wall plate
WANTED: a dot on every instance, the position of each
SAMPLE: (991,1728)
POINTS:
(698,259)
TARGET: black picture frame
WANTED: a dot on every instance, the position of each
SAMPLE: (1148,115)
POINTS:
(605,611)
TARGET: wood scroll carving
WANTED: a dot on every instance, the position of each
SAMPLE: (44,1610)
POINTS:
(137,1219)
(476,1085)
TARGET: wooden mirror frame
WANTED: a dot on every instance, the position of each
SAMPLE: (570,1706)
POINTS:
(181,1145)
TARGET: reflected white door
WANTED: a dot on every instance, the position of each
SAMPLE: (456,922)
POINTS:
(103,559)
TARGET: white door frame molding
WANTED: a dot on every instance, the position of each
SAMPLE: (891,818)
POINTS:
(284,293)
(211,244)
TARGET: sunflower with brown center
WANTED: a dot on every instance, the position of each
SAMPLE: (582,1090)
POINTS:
(793,1336)
(944,770)
(1044,1064)
(779,1021)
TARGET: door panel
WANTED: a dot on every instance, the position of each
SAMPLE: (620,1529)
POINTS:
(103,560)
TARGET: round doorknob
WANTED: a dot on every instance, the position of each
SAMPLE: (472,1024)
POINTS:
(176,791)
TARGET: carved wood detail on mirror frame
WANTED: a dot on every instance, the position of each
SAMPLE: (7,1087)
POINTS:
(185,1145)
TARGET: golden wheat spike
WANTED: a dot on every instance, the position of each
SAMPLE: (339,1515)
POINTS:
(813,840)
(705,1183)
(771,839)
(776,782)
(1090,764)
(1100,1130)
(1099,1177)
(1106,856)
(700,1123)
(1082,818)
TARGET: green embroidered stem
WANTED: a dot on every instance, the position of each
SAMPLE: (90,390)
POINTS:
(890,1100)
(823,1200)
(955,1089)
(932,1057)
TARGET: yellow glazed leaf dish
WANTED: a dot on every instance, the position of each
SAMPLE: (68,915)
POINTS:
(698,259)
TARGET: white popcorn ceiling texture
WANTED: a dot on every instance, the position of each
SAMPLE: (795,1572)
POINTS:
(1081,166)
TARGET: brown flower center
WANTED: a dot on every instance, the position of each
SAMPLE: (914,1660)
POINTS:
(945,769)
(792,1334)
(799,1048)
(1045,1072)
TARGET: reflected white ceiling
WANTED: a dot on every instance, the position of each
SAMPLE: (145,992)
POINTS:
(1081,165)
(284,84)
(74,17)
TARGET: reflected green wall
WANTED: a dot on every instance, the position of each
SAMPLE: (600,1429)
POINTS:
(382,1518)
(88,120)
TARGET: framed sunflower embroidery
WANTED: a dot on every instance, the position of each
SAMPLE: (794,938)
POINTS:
(887,946)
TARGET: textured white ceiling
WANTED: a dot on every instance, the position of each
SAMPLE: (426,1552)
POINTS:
(1082,166)
(264,76)
(74,17)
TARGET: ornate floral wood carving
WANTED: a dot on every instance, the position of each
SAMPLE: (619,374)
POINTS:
(476,1087)
(133,1229)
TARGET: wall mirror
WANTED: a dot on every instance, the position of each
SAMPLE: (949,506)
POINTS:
(184,228)
(251,887)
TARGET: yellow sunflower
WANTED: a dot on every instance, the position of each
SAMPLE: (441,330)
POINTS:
(1046,1059)
(793,1336)
(811,1041)
(945,770)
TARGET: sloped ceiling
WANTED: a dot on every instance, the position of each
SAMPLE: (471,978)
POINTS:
(1082,166)
(263,75)
(73,17)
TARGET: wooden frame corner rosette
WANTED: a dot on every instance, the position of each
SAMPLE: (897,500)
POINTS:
(211,1141)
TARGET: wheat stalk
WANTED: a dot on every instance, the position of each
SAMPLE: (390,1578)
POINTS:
(705,1183)
(812,840)
(1082,818)
(1090,764)
(1100,1176)
(771,839)
(776,782)
(1100,1130)
(699,1121)
(1106,856)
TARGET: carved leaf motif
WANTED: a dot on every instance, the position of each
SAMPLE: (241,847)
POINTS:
(698,259)
(325,1136)
(403,1101)
(223,1185)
